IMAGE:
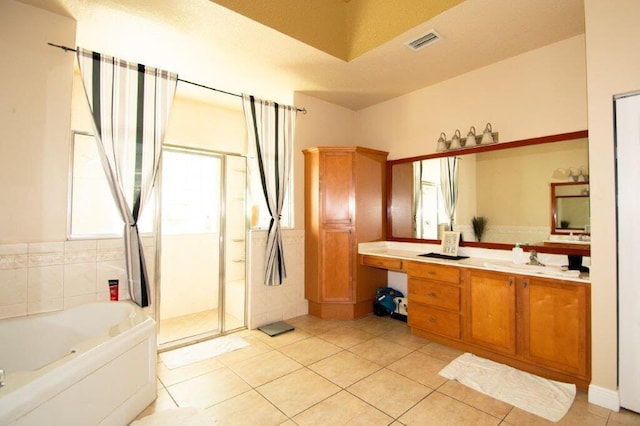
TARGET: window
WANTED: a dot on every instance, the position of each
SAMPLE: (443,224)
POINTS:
(190,192)
(93,212)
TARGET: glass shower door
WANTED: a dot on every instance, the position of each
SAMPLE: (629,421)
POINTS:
(203,227)
(235,243)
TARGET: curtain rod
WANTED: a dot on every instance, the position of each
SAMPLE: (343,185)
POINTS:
(71,49)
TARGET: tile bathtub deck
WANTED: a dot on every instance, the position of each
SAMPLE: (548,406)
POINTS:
(369,371)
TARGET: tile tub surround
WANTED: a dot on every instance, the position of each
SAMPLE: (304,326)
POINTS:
(268,304)
(51,276)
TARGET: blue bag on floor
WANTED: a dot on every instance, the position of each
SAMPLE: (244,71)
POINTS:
(384,304)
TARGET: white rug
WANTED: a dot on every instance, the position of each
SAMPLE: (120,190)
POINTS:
(201,351)
(177,416)
(539,396)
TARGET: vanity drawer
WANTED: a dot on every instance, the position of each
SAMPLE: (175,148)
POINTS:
(434,294)
(435,320)
(450,274)
(382,262)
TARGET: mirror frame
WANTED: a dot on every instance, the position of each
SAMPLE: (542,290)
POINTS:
(552,248)
(554,207)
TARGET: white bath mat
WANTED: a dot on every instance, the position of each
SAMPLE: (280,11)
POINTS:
(178,416)
(201,351)
(539,396)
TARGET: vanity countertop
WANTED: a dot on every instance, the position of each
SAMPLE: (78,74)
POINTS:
(493,260)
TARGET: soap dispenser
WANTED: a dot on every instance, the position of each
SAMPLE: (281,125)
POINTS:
(518,255)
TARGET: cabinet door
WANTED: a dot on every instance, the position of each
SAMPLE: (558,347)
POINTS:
(336,188)
(491,315)
(336,284)
(555,316)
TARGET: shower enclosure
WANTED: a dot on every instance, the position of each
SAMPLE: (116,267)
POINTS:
(203,227)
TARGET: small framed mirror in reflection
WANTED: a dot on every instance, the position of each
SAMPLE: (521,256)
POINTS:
(570,208)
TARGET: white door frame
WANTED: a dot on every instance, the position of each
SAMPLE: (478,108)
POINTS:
(627,155)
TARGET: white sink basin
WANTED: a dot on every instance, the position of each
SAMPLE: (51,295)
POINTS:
(555,271)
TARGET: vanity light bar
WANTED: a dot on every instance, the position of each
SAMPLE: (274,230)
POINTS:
(424,40)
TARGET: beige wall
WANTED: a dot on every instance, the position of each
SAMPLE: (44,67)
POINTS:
(539,93)
(206,126)
(35,108)
(325,124)
(613,67)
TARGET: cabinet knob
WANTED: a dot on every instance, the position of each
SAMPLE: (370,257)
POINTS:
(525,283)
(510,281)
(431,319)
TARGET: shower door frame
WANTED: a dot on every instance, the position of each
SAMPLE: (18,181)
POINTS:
(222,240)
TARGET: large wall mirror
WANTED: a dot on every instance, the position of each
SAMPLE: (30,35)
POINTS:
(512,185)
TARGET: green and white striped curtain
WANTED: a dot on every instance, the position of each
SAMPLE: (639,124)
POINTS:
(270,128)
(449,186)
(418,213)
(130,105)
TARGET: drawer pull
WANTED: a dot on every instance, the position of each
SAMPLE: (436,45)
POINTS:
(431,294)
(431,320)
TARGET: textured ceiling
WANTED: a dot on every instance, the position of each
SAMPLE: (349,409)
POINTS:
(344,29)
(210,44)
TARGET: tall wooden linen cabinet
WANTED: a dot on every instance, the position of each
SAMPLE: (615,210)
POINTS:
(345,204)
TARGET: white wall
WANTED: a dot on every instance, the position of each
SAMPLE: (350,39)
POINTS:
(35,109)
(613,67)
(190,274)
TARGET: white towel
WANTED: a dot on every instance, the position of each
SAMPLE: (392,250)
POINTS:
(537,395)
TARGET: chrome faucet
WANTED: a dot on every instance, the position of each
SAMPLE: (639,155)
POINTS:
(533,259)
(1,377)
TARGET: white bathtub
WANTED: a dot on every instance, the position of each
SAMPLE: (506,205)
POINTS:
(88,365)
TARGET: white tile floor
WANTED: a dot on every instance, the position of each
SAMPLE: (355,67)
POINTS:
(369,371)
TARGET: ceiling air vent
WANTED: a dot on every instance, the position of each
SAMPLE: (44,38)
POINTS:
(423,41)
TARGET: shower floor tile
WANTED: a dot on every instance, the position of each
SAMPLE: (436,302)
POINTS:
(176,328)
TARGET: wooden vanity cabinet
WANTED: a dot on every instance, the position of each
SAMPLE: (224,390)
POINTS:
(434,300)
(555,320)
(491,312)
(541,323)
(536,324)
(345,204)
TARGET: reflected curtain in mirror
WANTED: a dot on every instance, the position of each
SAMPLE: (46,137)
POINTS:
(449,186)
